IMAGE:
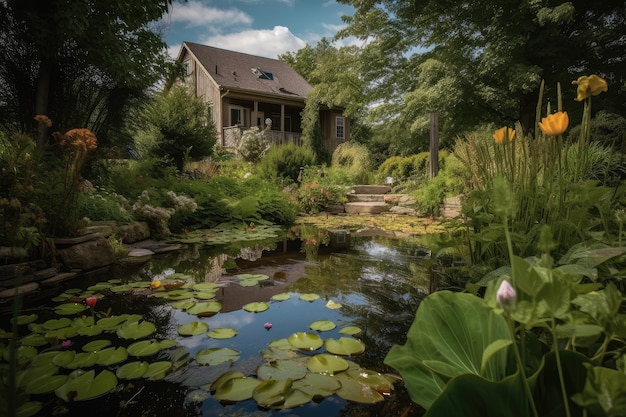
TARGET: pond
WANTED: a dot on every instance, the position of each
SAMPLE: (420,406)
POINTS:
(352,302)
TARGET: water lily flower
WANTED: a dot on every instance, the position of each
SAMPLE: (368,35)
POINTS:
(66,343)
(554,124)
(506,296)
(155,284)
(91,301)
(267,325)
(502,133)
(589,86)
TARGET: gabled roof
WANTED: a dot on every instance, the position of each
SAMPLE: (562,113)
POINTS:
(236,70)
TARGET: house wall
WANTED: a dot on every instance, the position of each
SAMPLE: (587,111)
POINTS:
(328,124)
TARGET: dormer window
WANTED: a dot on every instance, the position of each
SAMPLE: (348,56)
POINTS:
(262,75)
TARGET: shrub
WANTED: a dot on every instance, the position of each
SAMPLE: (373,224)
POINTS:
(253,144)
(403,167)
(102,205)
(317,191)
(355,159)
(284,162)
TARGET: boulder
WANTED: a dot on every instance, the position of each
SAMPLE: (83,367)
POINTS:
(88,255)
(133,232)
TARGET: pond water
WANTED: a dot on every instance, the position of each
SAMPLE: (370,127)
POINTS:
(378,283)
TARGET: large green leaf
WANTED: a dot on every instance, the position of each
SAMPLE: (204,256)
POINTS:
(84,386)
(451,331)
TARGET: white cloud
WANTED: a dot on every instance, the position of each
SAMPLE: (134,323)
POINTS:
(262,42)
(194,13)
(173,50)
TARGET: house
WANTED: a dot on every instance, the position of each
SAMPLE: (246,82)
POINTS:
(244,91)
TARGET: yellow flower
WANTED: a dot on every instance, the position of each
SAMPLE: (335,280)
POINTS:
(155,284)
(504,132)
(589,86)
(554,124)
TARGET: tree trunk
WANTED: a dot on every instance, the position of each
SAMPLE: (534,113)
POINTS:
(41,101)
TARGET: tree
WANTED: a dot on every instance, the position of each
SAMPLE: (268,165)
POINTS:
(178,127)
(483,60)
(80,62)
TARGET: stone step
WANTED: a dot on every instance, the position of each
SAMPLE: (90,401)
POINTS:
(372,198)
(370,189)
(366,207)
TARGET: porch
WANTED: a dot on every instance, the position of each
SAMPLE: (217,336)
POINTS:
(232,134)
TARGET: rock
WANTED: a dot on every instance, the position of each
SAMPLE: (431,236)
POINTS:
(103,229)
(399,199)
(137,256)
(21,290)
(13,252)
(407,211)
(64,276)
(133,232)
(88,255)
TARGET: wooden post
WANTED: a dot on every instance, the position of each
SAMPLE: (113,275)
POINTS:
(434,145)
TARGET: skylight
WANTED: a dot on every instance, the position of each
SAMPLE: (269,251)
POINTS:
(263,75)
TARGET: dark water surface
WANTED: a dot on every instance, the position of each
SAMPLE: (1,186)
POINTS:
(378,281)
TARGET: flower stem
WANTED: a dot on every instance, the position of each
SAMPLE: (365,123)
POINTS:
(522,371)
(559,368)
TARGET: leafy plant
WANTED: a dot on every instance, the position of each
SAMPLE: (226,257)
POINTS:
(355,160)
(284,161)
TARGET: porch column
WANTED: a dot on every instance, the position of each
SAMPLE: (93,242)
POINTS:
(282,122)
(255,114)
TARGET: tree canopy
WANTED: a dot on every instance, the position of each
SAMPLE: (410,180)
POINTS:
(482,61)
(80,62)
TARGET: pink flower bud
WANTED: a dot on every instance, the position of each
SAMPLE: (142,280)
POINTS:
(66,343)
(506,296)
(91,301)
(267,325)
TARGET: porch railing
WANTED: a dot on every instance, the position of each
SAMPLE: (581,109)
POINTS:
(232,134)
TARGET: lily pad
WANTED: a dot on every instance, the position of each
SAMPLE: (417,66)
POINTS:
(222,333)
(54,324)
(112,323)
(183,305)
(25,319)
(144,348)
(215,356)
(63,358)
(248,282)
(283,296)
(44,358)
(280,344)
(112,356)
(317,385)
(100,286)
(205,309)
(345,346)
(353,390)
(350,330)
(90,330)
(34,339)
(272,393)
(256,307)
(236,389)
(96,345)
(333,305)
(205,286)
(136,330)
(322,325)
(193,328)
(85,386)
(121,288)
(158,370)
(379,382)
(281,370)
(257,277)
(326,364)
(29,409)
(305,341)
(32,373)
(24,354)
(204,295)
(83,360)
(309,297)
(132,370)
(46,384)
(225,377)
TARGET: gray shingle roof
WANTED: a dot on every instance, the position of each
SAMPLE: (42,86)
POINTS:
(236,70)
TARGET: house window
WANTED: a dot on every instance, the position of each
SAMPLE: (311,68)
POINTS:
(237,116)
(339,124)
(187,67)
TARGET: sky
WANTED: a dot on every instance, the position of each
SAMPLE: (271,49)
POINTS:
(258,27)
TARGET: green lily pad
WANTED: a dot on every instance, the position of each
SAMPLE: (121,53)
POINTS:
(178,297)
(158,370)
(100,286)
(34,339)
(167,343)
(283,296)
(256,307)
(83,321)
(326,364)
(345,346)
(353,390)
(205,286)
(322,325)
(294,398)
(280,344)
(24,354)
(132,370)
(215,356)
(144,348)
(32,373)
(222,333)
(379,382)
(225,377)
(45,384)
(183,305)
(350,330)
(274,354)
(63,358)
(25,319)
(112,356)
(84,386)
(96,345)
(204,295)
(317,385)
(333,305)
(305,341)
(44,358)
(248,282)
(29,409)
(62,334)
(205,309)
(112,323)
(285,369)
(271,393)
(193,328)
(121,288)
(90,330)
(257,277)
(236,389)
(136,330)
(54,324)
(83,360)
(309,297)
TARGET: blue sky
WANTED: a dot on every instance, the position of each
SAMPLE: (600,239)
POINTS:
(259,27)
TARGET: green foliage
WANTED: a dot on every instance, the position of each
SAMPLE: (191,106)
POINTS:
(355,160)
(284,161)
(253,144)
(104,206)
(403,167)
(318,191)
(178,127)
(129,178)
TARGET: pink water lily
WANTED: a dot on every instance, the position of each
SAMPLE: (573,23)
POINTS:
(91,301)
(267,325)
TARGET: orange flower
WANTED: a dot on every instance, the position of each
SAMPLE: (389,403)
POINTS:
(502,133)
(589,86)
(78,139)
(43,119)
(554,124)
